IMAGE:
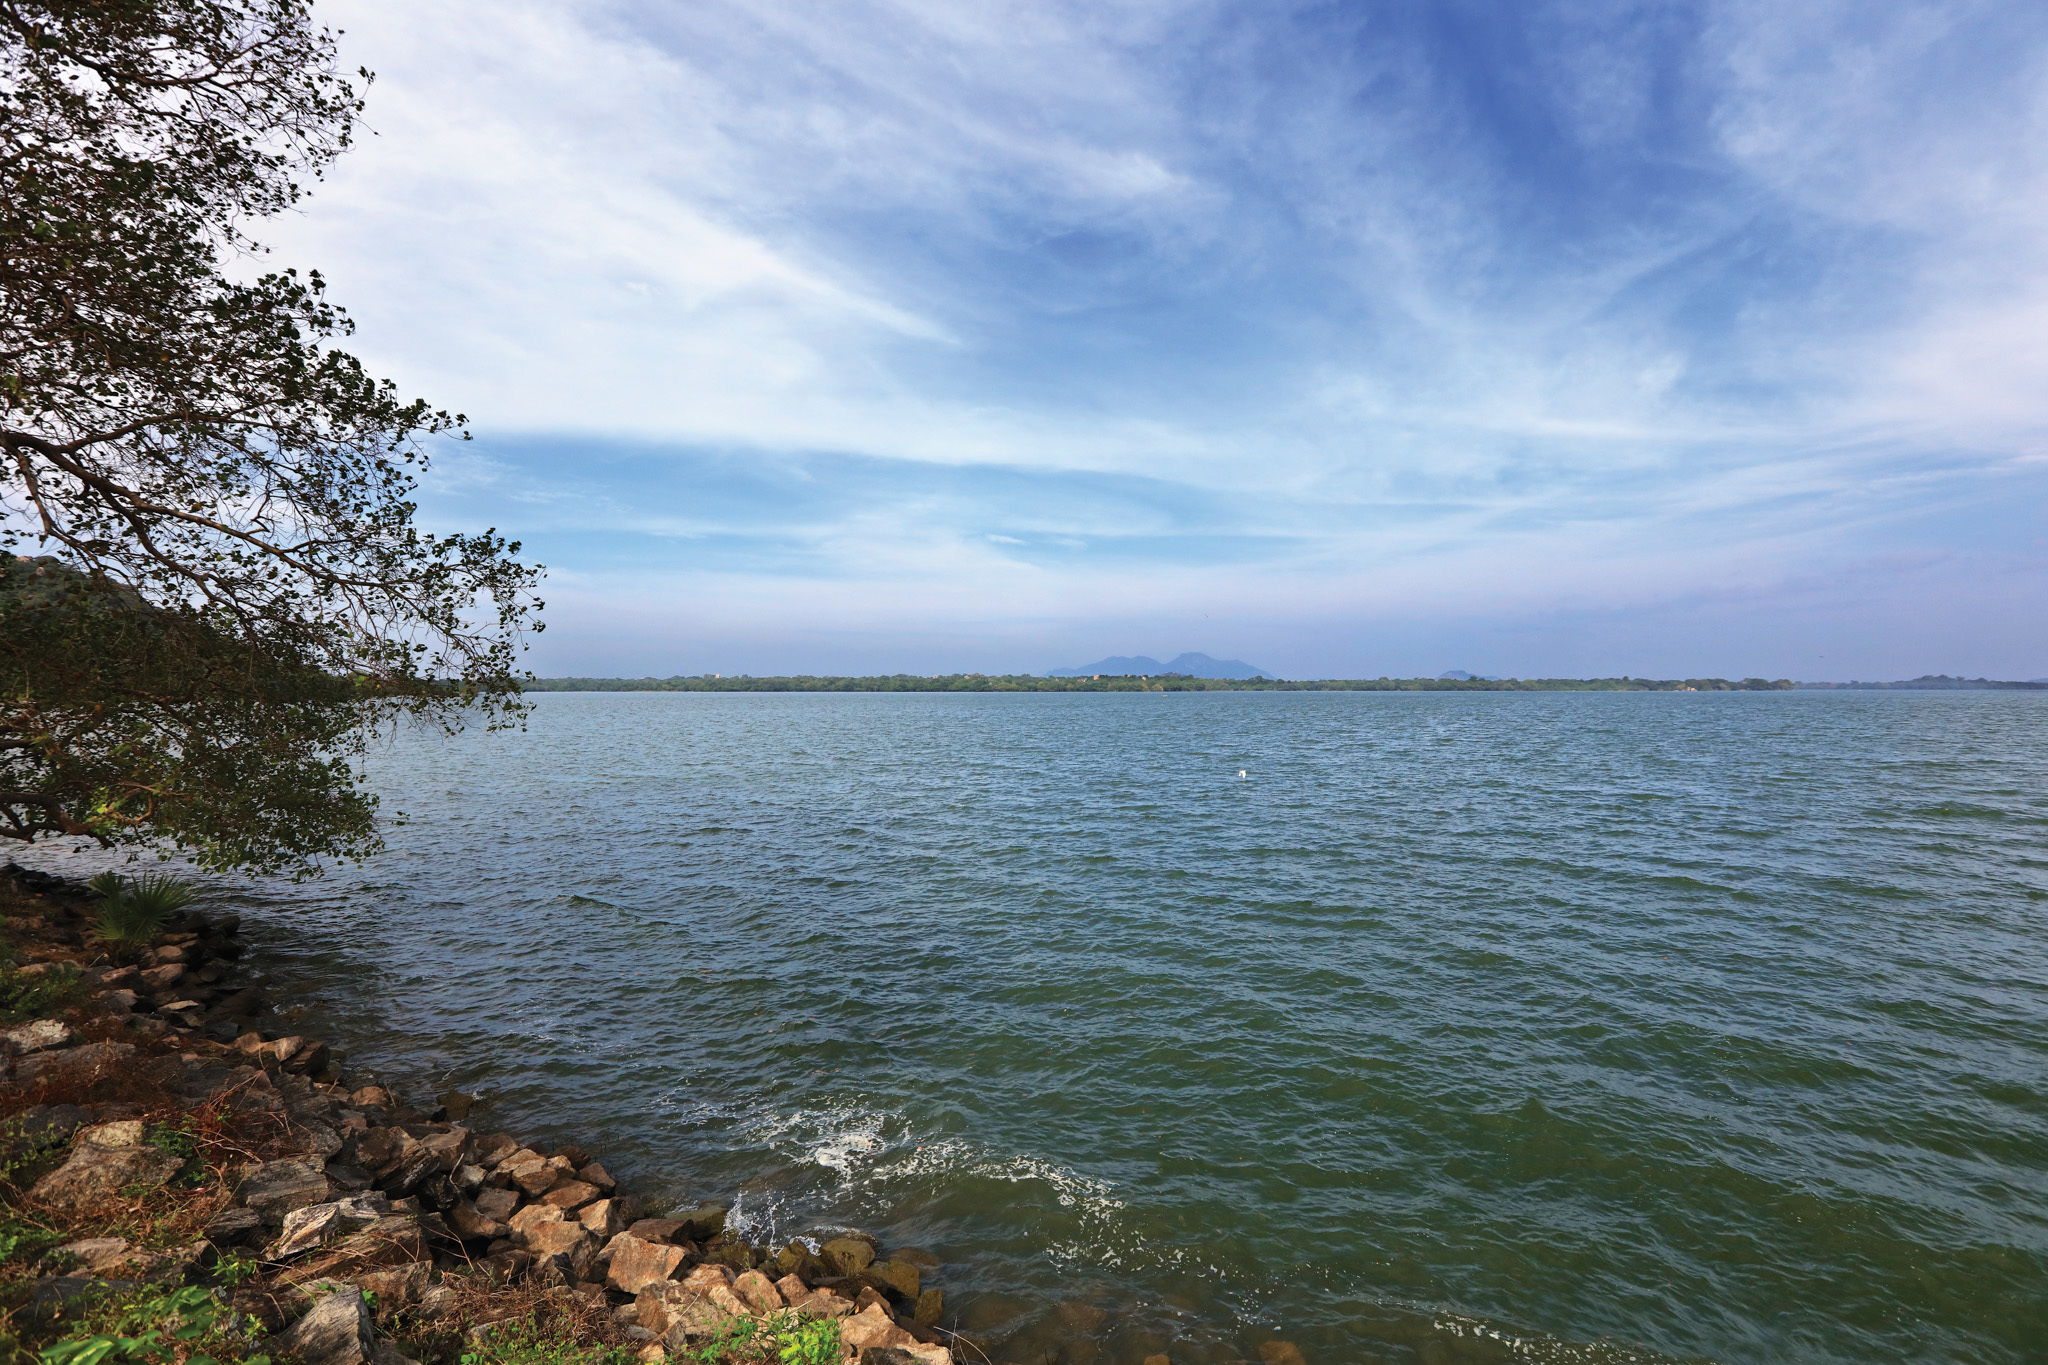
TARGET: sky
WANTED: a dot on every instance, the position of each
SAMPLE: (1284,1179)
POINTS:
(1534,339)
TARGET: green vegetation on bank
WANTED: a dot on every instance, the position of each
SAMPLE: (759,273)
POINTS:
(1171,682)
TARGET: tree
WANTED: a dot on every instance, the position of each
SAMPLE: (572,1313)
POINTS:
(224,498)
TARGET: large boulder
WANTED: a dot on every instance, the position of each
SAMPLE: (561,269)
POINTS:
(78,1065)
(567,1247)
(847,1255)
(97,1175)
(336,1331)
(497,1205)
(607,1218)
(897,1278)
(38,1035)
(471,1225)
(318,1224)
(392,1241)
(872,1327)
(758,1292)
(570,1194)
(531,1217)
(636,1265)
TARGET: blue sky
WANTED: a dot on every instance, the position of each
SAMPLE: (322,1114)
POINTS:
(1346,338)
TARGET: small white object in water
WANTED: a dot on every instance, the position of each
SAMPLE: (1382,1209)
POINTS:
(1240,774)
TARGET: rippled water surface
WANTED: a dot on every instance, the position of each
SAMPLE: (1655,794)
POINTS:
(1460,1027)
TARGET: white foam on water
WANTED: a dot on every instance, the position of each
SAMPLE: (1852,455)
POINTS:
(841,1138)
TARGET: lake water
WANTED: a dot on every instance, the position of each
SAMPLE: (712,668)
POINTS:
(1409,1027)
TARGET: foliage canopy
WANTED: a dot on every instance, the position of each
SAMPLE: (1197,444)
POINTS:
(229,583)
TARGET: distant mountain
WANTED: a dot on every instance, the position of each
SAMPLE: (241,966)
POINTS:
(1193,665)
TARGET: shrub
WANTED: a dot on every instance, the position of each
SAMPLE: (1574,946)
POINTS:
(152,1328)
(135,910)
(38,995)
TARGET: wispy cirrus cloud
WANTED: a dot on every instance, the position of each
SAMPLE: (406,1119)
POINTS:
(1030,326)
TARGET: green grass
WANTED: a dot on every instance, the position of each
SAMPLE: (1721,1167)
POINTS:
(527,1343)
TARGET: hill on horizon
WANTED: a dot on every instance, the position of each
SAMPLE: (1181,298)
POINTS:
(1194,665)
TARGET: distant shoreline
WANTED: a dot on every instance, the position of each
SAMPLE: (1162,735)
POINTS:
(1026,682)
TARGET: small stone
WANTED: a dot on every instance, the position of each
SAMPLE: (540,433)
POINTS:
(759,1292)
(637,1264)
(467,1178)
(123,1002)
(39,1035)
(930,1304)
(1159,1360)
(792,1289)
(594,1174)
(1280,1353)
(369,1097)
(653,1353)
(871,1297)
(456,1103)
(336,1332)
(570,1194)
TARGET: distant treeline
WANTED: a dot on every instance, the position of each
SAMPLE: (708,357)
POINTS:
(1933,682)
(1026,682)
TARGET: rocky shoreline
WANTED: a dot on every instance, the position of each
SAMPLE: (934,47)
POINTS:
(159,1087)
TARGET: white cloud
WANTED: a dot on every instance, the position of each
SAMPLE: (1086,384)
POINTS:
(758,227)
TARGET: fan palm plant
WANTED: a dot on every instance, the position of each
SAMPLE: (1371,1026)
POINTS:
(134,910)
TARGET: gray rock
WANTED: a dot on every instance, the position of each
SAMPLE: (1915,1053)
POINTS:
(53,1293)
(337,1331)
(398,1288)
(121,1133)
(39,1035)
(234,1227)
(95,1175)
(275,1188)
(81,1063)
(315,1225)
